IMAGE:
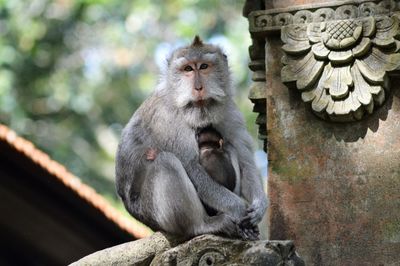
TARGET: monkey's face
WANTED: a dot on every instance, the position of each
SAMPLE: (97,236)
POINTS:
(210,141)
(200,82)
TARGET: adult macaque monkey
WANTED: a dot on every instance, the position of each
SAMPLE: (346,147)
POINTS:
(158,173)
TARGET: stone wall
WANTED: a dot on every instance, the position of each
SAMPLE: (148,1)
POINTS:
(334,186)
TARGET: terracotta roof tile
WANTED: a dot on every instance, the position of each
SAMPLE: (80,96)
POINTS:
(86,192)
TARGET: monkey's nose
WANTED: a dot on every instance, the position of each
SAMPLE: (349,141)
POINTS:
(198,88)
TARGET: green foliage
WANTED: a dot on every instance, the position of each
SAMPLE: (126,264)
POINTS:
(73,72)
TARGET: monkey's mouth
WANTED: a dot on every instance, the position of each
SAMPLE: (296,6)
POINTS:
(201,103)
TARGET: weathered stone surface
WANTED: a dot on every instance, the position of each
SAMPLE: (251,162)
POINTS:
(213,250)
(334,187)
(202,250)
(257,90)
(354,66)
(140,252)
(338,54)
(271,16)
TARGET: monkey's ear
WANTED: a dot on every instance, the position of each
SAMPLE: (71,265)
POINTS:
(197,41)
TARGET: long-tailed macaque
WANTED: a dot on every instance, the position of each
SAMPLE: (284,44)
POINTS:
(158,173)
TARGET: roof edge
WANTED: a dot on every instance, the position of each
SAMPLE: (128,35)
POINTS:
(71,181)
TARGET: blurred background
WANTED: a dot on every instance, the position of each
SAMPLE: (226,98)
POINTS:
(73,72)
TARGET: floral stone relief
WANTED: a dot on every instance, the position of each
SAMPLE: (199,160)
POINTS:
(340,66)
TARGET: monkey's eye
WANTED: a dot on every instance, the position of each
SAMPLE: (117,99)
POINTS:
(188,68)
(203,66)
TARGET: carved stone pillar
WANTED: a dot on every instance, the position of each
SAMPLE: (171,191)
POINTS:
(326,85)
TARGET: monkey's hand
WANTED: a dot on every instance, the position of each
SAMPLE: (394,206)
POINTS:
(233,228)
(254,214)
(252,233)
(151,154)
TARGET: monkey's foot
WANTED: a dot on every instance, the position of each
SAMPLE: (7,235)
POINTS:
(249,233)
(151,154)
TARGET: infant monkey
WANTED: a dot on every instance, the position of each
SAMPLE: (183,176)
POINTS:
(218,165)
(214,159)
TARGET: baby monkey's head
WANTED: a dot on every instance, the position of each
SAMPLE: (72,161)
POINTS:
(209,140)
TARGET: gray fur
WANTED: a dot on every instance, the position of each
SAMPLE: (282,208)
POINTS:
(167,193)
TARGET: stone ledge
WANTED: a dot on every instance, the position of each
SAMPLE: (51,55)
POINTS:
(160,249)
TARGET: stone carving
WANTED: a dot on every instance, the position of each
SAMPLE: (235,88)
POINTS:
(340,66)
(264,22)
(257,92)
(159,249)
(212,250)
(337,56)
